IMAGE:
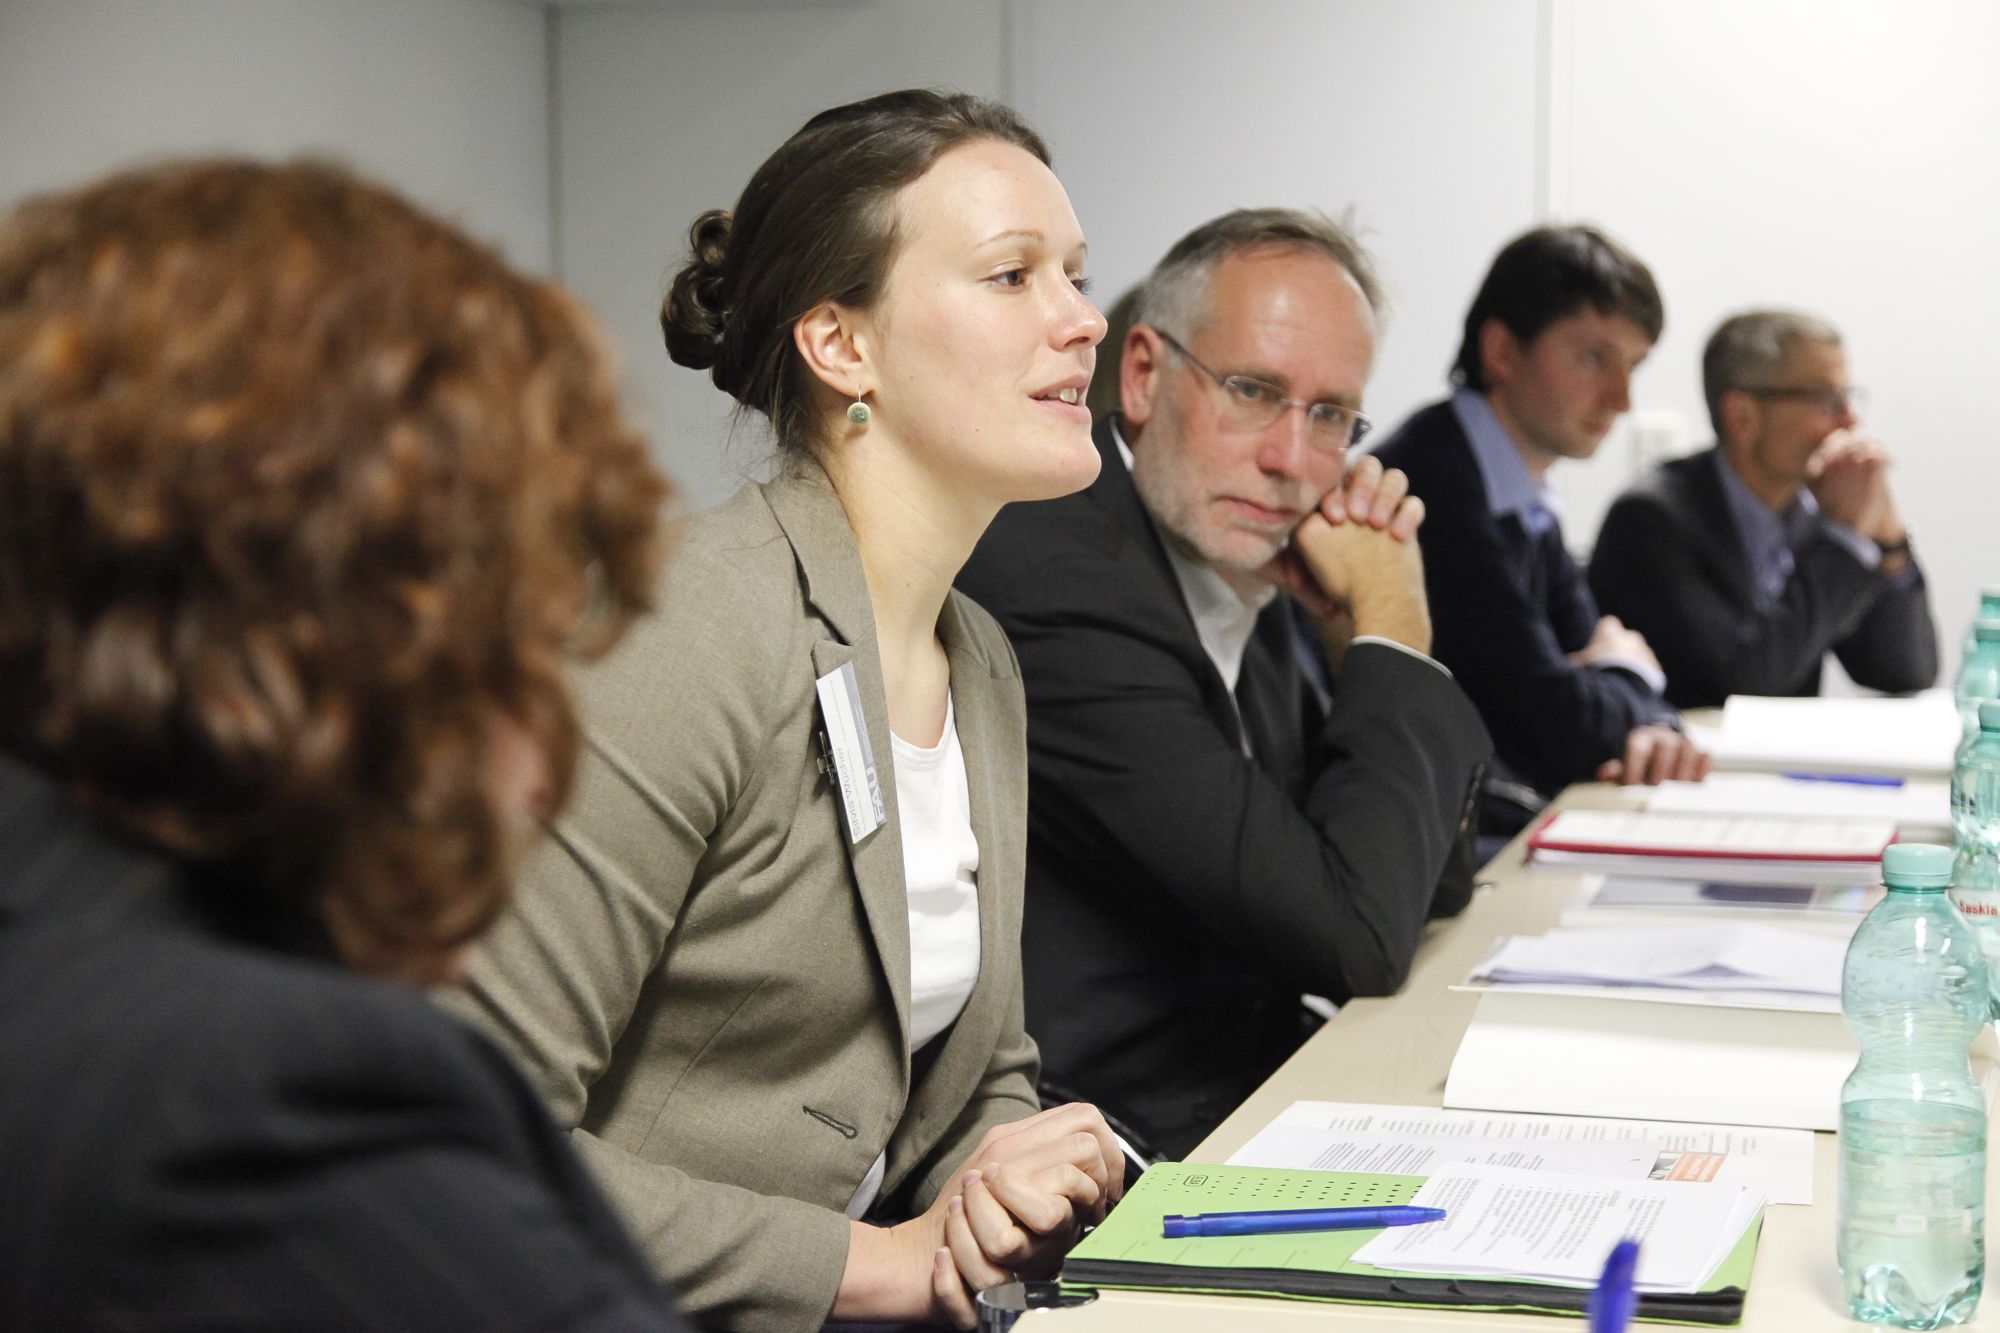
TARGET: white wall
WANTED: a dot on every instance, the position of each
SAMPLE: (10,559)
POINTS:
(1419,115)
(1831,154)
(664,111)
(445,99)
(1834,154)
(1828,153)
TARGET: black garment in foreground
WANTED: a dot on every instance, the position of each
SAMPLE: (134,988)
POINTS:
(207,1123)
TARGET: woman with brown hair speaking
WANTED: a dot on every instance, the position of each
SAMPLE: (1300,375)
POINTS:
(769,969)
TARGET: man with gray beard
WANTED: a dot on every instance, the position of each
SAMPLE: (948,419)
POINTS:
(1248,780)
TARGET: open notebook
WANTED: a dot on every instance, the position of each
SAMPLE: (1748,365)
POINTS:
(1129,1251)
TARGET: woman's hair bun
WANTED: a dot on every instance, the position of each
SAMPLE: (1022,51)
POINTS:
(693,316)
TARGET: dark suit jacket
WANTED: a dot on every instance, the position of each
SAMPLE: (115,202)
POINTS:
(203,1125)
(1669,562)
(1180,896)
(1506,610)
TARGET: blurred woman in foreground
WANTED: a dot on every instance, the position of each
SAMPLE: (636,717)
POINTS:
(306,499)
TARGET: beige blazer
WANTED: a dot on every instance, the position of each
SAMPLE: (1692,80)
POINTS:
(704,978)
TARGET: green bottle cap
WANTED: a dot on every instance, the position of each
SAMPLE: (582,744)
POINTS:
(1989,715)
(1917,865)
(1986,631)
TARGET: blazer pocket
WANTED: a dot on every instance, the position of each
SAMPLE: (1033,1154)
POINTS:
(832,1122)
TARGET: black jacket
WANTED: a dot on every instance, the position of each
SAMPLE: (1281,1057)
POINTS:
(1180,897)
(208,1123)
(1506,611)
(1669,563)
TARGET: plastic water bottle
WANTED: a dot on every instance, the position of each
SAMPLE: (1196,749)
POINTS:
(1912,1120)
(1978,678)
(1989,609)
(1975,821)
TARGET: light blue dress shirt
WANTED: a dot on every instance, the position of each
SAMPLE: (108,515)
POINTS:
(1512,489)
(1769,537)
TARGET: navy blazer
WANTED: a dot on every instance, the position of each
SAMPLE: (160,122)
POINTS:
(1507,609)
(207,1123)
(1669,562)
(1180,896)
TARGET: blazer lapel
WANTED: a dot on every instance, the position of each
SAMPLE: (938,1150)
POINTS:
(1723,553)
(830,567)
(984,717)
(990,720)
(1115,492)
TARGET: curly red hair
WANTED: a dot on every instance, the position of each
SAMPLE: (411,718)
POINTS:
(303,493)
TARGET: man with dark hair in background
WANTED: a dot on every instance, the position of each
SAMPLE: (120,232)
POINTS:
(1564,317)
(1747,563)
(1236,797)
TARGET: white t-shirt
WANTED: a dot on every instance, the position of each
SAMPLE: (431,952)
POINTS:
(940,870)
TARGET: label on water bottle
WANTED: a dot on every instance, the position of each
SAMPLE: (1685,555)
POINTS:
(1961,1222)
(1981,907)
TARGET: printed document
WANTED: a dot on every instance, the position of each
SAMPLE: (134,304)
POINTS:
(1423,1155)
(1557,1228)
(1777,1163)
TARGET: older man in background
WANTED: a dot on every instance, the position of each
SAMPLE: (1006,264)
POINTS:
(1745,564)
(1237,796)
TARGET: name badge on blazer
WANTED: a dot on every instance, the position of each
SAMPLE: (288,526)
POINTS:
(846,738)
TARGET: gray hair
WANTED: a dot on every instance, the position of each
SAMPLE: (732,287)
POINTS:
(1750,348)
(1175,297)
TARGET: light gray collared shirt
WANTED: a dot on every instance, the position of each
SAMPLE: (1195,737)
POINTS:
(1224,619)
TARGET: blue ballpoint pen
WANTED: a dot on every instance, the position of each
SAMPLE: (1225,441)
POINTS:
(1613,1302)
(1846,779)
(1174,1226)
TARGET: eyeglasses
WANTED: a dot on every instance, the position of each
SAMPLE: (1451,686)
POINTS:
(1833,402)
(1253,404)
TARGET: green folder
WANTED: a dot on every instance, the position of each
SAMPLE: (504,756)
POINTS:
(1129,1251)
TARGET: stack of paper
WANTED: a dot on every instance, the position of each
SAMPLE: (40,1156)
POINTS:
(1605,1056)
(1622,900)
(1745,847)
(1557,1229)
(1899,737)
(1316,1135)
(1302,1146)
(1919,807)
(1725,962)
(1492,1208)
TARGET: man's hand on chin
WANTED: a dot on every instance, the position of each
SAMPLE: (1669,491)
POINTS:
(1354,563)
(1377,497)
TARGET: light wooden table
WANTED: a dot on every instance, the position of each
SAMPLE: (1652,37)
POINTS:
(1398,1050)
